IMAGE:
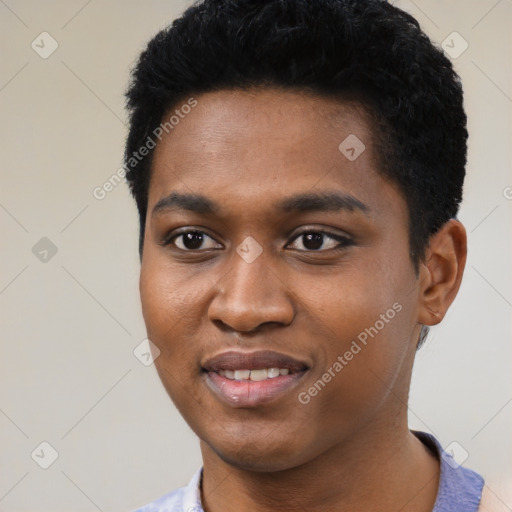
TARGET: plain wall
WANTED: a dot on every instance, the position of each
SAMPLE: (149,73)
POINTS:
(68,375)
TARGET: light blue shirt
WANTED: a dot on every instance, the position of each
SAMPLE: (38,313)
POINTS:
(460,489)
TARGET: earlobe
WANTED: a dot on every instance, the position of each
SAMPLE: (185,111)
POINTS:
(441,272)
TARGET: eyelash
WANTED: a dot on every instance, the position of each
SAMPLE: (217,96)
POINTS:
(343,241)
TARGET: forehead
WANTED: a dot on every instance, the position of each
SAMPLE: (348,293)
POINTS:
(265,144)
(228,120)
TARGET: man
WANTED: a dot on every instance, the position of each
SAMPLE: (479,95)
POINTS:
(298,167)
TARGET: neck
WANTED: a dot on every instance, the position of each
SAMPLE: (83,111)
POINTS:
(384,469)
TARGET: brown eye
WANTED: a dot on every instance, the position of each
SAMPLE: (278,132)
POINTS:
(320,241)
(312,241)
(193,241)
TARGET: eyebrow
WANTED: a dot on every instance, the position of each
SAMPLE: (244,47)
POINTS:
(190,202)
(300,203)
(322,202)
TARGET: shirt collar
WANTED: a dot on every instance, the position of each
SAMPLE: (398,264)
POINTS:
(192,493)
(454,481)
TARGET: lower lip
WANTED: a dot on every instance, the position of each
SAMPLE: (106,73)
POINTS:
(248,393)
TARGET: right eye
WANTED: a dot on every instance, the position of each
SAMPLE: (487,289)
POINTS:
(192,240)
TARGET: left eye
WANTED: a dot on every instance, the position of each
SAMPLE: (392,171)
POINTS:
(316,241)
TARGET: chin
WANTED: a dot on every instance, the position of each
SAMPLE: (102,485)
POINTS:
(259,454)
(256,460)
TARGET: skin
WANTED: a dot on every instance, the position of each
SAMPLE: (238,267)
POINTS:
(349,448)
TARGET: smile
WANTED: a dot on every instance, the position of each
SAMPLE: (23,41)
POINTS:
(254,375)
(246,380)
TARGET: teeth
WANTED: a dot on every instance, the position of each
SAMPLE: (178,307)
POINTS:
(242,374)
(273,372)
(257,375)
(254,375)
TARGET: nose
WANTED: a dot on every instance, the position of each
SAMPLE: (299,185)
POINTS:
(250,295)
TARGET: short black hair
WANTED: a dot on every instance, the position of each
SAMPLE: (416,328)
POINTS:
(366,49)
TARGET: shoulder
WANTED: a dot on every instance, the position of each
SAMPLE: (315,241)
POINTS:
(460,488)
(170,502)
(184,499)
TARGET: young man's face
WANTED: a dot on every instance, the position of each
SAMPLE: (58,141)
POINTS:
(278,267)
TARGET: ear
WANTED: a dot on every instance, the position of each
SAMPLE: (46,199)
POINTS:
(441,272)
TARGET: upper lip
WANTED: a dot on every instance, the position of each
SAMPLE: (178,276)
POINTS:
(234,360)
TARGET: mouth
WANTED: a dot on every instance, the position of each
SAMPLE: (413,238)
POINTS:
(245,380)
(254,375)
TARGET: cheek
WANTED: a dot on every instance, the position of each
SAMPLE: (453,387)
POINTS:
(174,306)
(362,374)
(171,298)
(352,301)
(369,317)
(171,311)
(169,314)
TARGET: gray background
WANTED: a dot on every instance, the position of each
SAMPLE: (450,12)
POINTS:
(71,320)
